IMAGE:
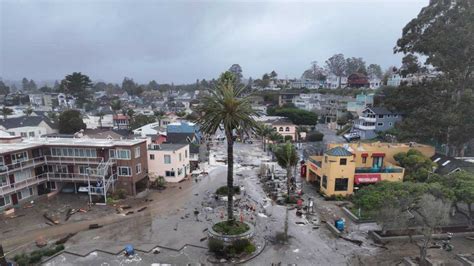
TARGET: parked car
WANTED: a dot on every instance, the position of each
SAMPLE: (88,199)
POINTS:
(351,136)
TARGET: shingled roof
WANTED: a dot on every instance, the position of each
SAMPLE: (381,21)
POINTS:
(25,121)
(338,151)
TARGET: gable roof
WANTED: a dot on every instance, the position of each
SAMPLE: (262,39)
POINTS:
(447,165)
(338,151)
(25,121)
(380,110)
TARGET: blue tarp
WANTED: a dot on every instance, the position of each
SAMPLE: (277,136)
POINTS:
(129,250)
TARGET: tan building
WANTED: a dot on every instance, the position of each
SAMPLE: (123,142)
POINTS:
(170,161)
(285,128)
(345,167)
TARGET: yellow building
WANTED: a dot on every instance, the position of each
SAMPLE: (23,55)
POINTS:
(345,167)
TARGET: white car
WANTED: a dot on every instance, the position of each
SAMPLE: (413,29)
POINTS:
(351,136)
(83,189)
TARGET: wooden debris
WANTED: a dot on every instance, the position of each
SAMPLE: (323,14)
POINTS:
(94,226)
(355,241)
(65,239)
(142,208)
(45,215)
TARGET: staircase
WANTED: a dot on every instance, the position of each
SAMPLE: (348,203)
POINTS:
(103,178)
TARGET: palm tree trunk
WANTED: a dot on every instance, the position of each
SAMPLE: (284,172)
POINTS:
(288,179)
(286,224)
(230,175)
(264,144)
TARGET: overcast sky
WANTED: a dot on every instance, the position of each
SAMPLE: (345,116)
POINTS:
(181,41)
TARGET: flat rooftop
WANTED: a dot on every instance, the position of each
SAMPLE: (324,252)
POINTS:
(167,146)
(70,142)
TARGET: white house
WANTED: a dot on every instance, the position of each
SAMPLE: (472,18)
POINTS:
(169,160)
(28,126)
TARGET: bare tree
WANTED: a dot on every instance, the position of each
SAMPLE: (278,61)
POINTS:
(336,65)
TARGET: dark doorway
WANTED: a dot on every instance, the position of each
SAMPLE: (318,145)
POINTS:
(14,199)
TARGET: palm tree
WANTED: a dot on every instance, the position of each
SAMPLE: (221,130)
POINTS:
(6,112)
(287,158)
(100,114)
(28,111)
(224,105)
(264,131)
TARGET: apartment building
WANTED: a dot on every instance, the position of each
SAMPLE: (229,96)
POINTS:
(345,167)
(170,161)
(32,167)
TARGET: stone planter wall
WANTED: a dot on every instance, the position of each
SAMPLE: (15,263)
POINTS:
(231,238)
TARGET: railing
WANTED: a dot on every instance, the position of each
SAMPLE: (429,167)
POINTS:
(74,160)
(362,127)
(9,188)
(368,119)
(379,170)
(317,163)
(68,177)
(22,165)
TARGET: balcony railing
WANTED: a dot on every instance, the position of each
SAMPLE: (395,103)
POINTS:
(17,186)
(369,119)
(379,170)
(74,160)
(22,165)
(362,127)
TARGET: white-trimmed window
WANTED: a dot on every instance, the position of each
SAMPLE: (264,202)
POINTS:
(185,153)
(169,173)
(138,168)
(83,169)
(124,171)
(112,153)
(180,157)
(19,157)
(3,180)
(23,134)
(4,201)
(22,175)
(380,124)
(60,168)
(167,159)
(73,152)
(123,154)
(137,152)
(31,134)
(152,157)
(2,162)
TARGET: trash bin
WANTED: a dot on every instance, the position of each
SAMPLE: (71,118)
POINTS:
(340,224)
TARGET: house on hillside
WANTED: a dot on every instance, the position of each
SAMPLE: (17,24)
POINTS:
(357,80)
(28,126)
(373,120)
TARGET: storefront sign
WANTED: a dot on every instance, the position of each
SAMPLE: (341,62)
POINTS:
(367,178)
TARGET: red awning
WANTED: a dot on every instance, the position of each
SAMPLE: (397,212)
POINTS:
(364,154)
(378,154)
(367,178)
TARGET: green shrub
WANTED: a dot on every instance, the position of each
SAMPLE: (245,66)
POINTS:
(230,228)
(288,138)
(250,248)
(22,259)
(314,136)
(223,190)
(215,245)
(240,245)
(35,256)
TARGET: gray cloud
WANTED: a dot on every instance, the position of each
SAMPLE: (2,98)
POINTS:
(182,41)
